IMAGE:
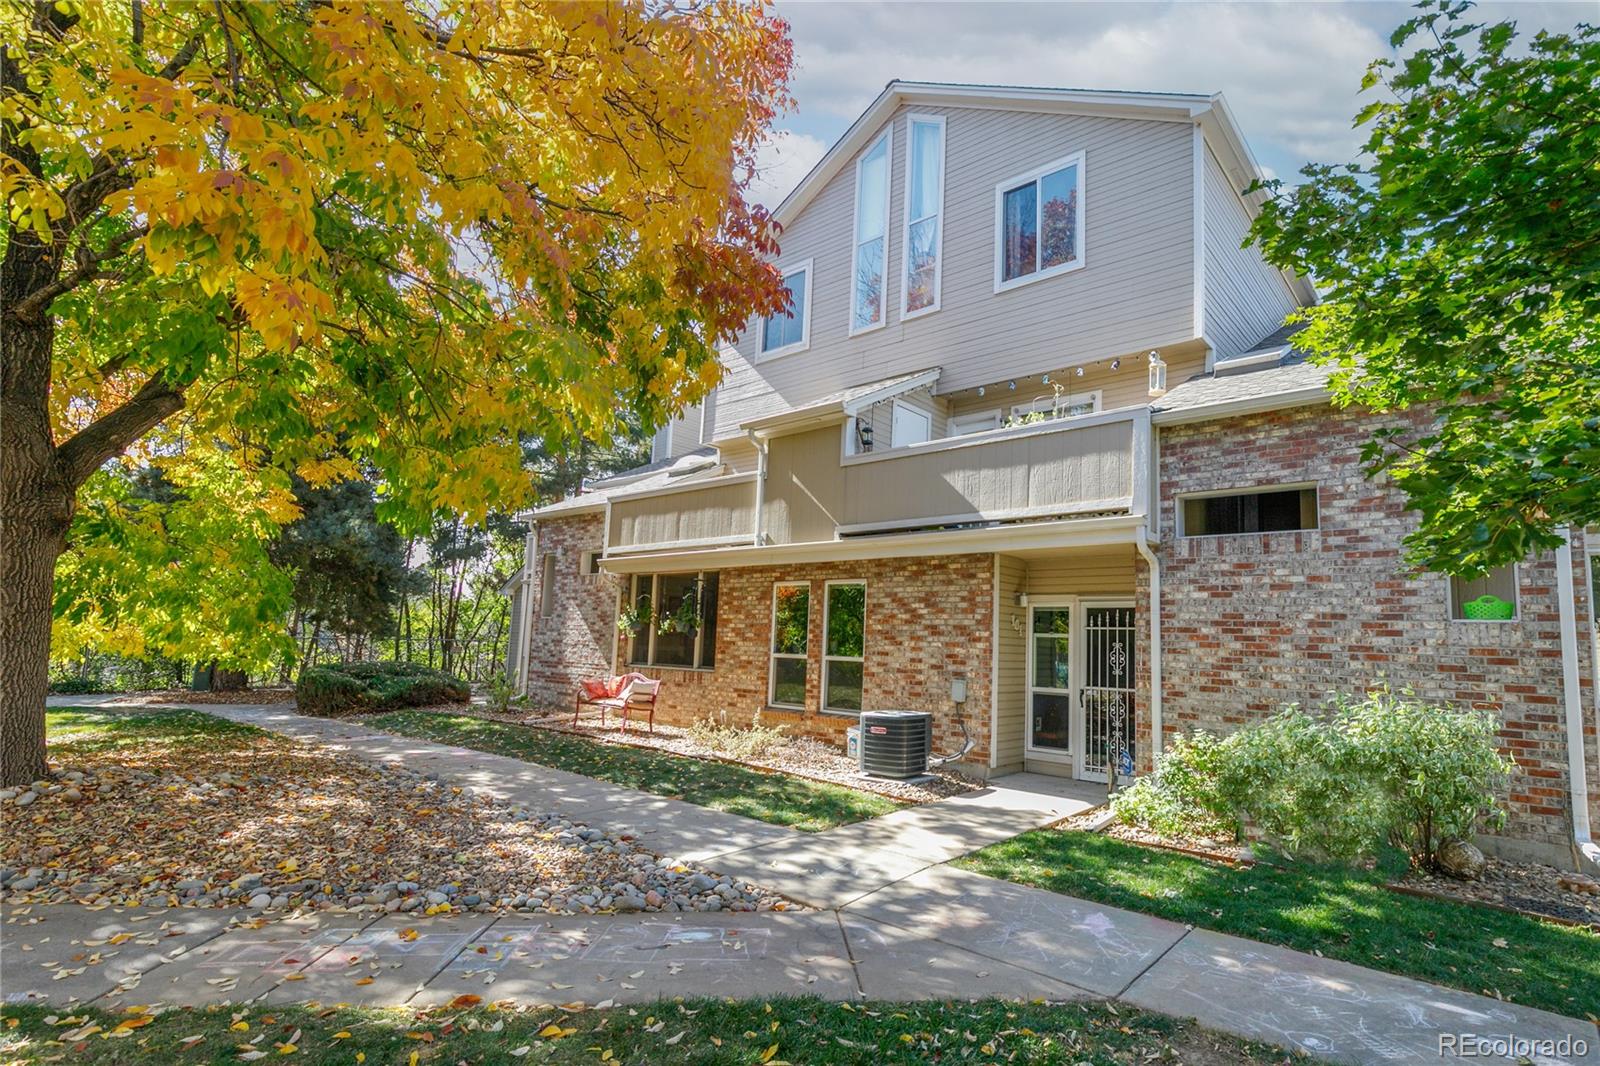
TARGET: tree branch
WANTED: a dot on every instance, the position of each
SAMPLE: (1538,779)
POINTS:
(91,446)
(38,302)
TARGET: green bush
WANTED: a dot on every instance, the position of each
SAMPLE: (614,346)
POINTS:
(1438,768)
(368,688)
(1381,768)
(76,686)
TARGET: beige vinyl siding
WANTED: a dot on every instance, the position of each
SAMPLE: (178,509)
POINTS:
(1107,572)
(1135,291)
(804,498)
(695,514)
(1011,705)
(881,416)
(683,432)
(1245,299)
(1127,387)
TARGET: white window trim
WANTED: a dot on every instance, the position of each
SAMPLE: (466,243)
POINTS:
(855,242)
(905,233)
(1252,490)
(1516,601)
(828,659)
(980,421)
(587,563)
(805,316)
(772,638)
(1069,399)
(1000,190)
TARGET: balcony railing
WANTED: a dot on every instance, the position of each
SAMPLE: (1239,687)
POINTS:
(716,511)
(1091,464)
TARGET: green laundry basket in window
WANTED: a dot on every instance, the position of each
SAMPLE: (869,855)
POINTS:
(1488,607)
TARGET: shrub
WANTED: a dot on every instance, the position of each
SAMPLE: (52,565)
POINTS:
(754,741)
(1374,769)
(1438,768)
(76,686)
(367,688)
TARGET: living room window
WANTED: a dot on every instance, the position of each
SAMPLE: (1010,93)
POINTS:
(791,626)
(872,234)
(1490,598)
(1038,221)
(790,329)
(924,213)
(1257,511)
(671,620)
(844,626)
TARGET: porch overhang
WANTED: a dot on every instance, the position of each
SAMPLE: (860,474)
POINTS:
(1021,536)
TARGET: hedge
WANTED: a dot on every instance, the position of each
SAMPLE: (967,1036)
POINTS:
(368,688)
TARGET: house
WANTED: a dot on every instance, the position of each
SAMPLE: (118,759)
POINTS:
(1032,451)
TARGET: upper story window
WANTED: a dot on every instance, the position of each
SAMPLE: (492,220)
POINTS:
(1038,220)
(790,330)
(1269,511)
(872,229)
(924,214)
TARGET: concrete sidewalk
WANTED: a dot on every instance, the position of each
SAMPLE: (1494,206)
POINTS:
(893,924)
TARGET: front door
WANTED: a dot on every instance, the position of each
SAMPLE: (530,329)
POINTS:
(1080,684)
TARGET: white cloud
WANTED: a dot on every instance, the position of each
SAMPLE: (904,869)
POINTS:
(1290,71)
(782,161)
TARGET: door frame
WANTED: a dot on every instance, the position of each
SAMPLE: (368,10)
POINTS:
(1077,725)
(1073,757)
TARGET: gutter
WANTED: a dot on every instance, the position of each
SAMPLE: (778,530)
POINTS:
(1156,736)
(1585,851)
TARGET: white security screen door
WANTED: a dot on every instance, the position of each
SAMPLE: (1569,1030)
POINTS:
(1106,697)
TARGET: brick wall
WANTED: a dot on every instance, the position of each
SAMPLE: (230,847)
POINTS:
(928,620)
(575,639)
(1255,621)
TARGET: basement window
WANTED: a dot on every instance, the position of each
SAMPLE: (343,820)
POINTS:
(1490,598)
(1265,511)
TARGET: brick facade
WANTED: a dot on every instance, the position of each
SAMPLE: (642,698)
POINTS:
(928,620)
(1251,622)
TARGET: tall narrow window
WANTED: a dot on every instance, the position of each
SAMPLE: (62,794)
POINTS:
(924,211)
(844,624)
(789,329)
(872,228)
(547,584)
(1039,223)
(791,623)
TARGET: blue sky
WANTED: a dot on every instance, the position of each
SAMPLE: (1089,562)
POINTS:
(1290,70)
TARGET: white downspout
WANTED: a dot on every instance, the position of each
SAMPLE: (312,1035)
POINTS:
(530,553)
(761,481)
(1584,848)
(1155,643)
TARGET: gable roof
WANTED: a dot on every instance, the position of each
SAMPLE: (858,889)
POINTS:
(1211,113)
(846,401)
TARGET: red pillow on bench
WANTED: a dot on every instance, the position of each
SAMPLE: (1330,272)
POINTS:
(598,688)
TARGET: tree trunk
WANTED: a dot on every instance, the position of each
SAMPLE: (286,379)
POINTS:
(36,504)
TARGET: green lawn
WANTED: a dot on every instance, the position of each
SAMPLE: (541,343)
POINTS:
(86,729)
(1341,913)
(777,798)
(700,1031)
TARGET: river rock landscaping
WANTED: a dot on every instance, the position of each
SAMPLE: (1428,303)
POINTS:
(184,809)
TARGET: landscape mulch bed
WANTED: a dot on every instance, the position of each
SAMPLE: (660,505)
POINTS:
(180,808)
(796,756)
